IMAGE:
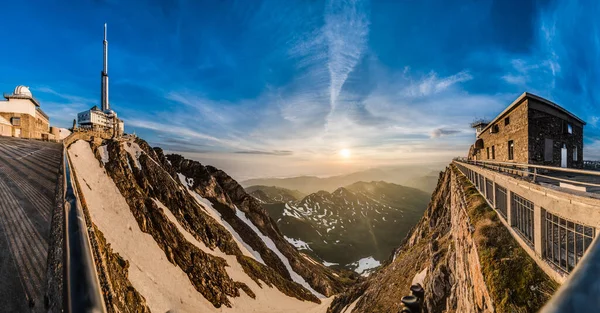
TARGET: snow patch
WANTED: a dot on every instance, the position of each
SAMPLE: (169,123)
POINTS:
(299,244)
(135,151)
(420,277)
(103,150)
(365,264)
(329,263)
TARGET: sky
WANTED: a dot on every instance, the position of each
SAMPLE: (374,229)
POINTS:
(282,88)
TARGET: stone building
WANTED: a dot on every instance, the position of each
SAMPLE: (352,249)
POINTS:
(531,130)
(26,118)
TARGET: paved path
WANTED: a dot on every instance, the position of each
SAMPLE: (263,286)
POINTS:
(28,178)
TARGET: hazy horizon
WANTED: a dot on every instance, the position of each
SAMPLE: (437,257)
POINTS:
(277,88)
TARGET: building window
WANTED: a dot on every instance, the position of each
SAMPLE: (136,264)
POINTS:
(511,150)
(522,216)
(507,120)
(16,121)
(495,129)
(567,128)
(488,152)
(566,241)
(493,152)
(574,153)
(548,149)
(501,200)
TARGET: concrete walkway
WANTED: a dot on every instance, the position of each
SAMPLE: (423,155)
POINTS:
(28,178)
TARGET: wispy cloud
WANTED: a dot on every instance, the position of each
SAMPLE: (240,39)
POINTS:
(274,152)
(432,84)
(346,29)
(439,132)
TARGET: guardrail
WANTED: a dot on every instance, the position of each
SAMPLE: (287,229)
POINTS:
(580,292)
(534,171)
(82,287)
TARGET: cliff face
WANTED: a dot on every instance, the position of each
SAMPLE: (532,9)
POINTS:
(462,255)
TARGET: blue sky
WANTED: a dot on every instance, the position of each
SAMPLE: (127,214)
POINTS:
(278,88)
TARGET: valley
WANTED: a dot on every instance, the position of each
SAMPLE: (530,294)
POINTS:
(354,227)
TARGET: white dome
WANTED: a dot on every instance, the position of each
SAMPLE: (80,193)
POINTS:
(22,91)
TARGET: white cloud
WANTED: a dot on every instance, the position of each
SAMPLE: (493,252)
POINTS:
(432,84)
(346,30)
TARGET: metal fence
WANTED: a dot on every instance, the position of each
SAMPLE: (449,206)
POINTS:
(522,217)
(82,288)
(566,241)
(501,201)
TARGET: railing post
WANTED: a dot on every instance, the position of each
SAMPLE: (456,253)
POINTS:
(538,230)
(534,174)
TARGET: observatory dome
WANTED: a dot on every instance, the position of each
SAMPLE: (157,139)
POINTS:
(22,91)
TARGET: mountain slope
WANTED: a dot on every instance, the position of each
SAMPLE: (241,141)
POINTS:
(190,246)
(360,223)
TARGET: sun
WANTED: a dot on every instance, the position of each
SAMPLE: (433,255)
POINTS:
(345,153)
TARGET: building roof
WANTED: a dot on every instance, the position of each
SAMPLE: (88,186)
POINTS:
(4,121)
(524,96)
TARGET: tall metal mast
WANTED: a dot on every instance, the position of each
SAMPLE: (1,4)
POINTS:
(104,76)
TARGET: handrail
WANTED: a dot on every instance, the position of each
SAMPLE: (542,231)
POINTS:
(82,287)
(546,167)
(581,292)
(498,166)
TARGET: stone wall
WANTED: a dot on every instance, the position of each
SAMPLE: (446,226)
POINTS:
(470,293)
(547,123)
(516,131)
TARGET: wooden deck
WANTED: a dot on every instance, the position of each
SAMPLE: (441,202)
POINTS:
(28,178)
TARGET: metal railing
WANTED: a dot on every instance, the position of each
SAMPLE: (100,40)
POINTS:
(591,165)
(534,172)
(82,287)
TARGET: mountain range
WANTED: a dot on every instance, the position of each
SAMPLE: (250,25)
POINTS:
(423,177)
(354,227)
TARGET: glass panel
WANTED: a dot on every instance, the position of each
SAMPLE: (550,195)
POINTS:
(571,250)
(579,246)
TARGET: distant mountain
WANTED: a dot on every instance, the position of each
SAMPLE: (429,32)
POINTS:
(422,177)
(272,194)
(354,227)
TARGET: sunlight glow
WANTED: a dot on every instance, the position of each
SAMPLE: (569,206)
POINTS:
(345,153)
